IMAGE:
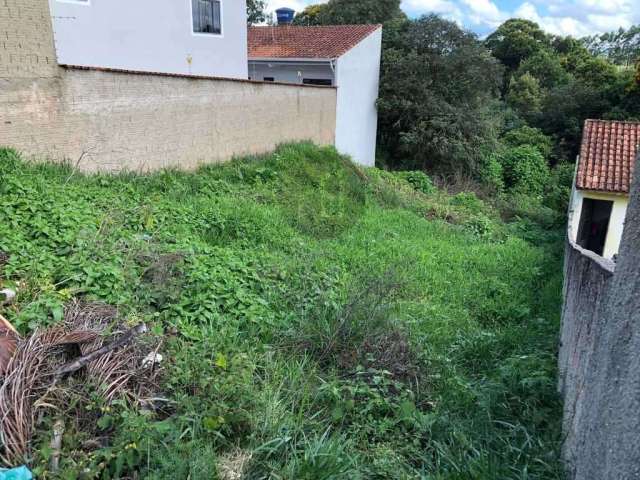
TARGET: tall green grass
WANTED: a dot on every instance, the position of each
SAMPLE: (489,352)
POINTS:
(322,321)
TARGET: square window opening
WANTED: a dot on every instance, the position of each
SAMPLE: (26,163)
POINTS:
(594,224)
(207,16)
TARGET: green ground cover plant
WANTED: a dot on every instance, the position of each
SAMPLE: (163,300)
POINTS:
(319,320)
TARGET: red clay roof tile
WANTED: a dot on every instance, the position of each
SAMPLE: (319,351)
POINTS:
(607,156)
(290,41)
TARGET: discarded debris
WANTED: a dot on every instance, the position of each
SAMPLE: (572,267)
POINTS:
(90,345)
(151,360)
(85,360)
(7,295)
(56,445)
(232,465)
(18,473)
(8,343)
(6,325)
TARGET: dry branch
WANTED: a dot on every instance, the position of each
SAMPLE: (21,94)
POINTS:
(32,380)
(83,361)
(56,444)
(7,324)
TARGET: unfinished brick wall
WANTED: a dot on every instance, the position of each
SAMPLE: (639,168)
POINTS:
(26,40)
(112,121)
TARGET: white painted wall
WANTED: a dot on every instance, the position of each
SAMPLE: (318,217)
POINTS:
(358,79)
(149,35)
(290,71)
(616,223)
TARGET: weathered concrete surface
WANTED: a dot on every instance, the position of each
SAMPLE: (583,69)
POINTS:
(600,358)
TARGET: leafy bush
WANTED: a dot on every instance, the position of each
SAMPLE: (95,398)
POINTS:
(419,180)
(525,170)
(529,136)
(558,190)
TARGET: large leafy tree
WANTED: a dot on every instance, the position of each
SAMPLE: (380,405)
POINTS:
(256,11)
(621,47)
(546,66)
(346,12)
(311,15)
(516,40)
(438,87)
(525,96)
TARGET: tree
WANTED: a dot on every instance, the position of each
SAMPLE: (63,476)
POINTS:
(348,12)
(311,15)
(529,136)
(621,47)
(439,87)
(525,96)
(546,67)
(256,11)
(516,40)
(564,110)
(596,71)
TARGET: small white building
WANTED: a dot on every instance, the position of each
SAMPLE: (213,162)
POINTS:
(344,56)
(600,195)
(190,37)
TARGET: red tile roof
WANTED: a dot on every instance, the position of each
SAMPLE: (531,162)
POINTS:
(607,156)
(306,42)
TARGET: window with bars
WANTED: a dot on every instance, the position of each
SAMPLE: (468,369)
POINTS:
(207,16)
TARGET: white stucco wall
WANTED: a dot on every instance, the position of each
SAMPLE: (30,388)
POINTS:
(616,223)
(149,35)
(290,71)
(358,80)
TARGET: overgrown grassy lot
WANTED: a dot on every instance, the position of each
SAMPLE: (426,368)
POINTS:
(319,321)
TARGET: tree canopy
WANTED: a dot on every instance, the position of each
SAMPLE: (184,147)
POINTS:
(516,40)
(438,87)
(621,47)
(350,12)
(449,101)
(256,11)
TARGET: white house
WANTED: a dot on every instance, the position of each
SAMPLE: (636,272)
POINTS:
(196,37)
(601,186)
(345,56)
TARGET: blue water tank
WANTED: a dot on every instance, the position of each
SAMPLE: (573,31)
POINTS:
(285,16)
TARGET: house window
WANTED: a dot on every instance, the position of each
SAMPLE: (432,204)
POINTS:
(207,16)
(594,224)
(268,79)
(317,81)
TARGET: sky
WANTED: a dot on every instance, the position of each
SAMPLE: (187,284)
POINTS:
(577,18)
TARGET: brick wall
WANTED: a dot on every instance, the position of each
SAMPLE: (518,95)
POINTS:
(26,39)
(121,120)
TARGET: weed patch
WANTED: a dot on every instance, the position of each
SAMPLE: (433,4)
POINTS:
(318,320)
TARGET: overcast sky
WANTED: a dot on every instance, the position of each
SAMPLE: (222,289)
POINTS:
(569,17)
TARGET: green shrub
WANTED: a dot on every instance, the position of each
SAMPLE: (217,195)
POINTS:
(526,135)
(525,170)
(420,181)
(469,201)
(492,174)
(558,190)
(334,332)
